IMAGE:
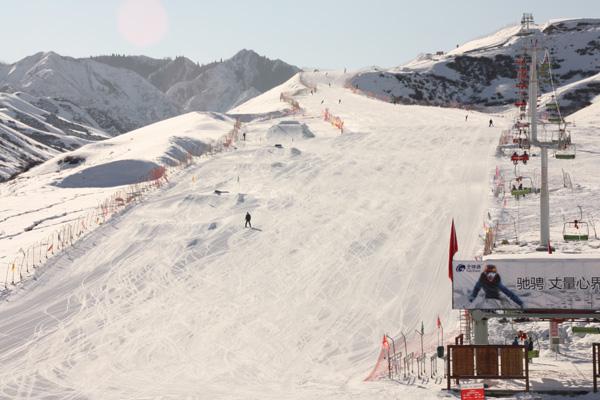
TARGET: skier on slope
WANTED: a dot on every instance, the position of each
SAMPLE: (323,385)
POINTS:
(491,123)
(490,282)
(248,218)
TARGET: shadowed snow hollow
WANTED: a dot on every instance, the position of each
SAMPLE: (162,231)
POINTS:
(290,130)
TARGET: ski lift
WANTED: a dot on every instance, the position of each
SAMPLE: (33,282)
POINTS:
(516,157)
(520,124)
(576,230)
(555,119)
(520,186)
(565,151)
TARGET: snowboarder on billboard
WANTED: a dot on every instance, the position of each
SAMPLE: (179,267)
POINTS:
(490,282)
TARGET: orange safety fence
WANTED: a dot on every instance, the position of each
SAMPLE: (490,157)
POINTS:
(334,120)
(291,101)
(397,356)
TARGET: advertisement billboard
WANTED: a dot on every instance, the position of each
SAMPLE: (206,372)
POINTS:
(527,283)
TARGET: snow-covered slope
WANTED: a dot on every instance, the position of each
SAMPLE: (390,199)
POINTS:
(176,299)
(589,114)
(34,129)
(270,101)
(231,82)
(482,72)
(71,183)
(116,99)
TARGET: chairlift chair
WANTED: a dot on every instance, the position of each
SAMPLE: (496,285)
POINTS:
(515,158)
(521,186)
(576,231)
(565,152)
(555,119)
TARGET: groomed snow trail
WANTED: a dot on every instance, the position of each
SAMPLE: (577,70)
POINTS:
(175,299)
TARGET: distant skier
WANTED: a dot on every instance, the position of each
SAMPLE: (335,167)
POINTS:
(244,136)
(490,282)
(466,117)
(322,101)
(248,218)
(491,123)
(340,101)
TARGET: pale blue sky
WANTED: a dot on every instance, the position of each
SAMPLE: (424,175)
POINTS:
(307,33)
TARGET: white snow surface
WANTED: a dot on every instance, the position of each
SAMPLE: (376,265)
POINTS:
(175,299)
(55,193)
(270,101)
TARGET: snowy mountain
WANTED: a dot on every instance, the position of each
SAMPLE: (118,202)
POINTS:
(217,86)
(142,65)
(180,69)
(33,130)
(117,100)
(162,73)
(482,72)
(231,82)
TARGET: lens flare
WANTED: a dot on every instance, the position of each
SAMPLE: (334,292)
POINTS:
(142,22)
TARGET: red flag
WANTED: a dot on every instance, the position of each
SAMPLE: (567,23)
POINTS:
(439,323)
(453,249)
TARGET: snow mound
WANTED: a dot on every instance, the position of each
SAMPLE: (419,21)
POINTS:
(290,129)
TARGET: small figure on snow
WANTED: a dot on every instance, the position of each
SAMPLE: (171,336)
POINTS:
(466,117)
(491,123)
(340,101)
(244,136)
(248,218)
